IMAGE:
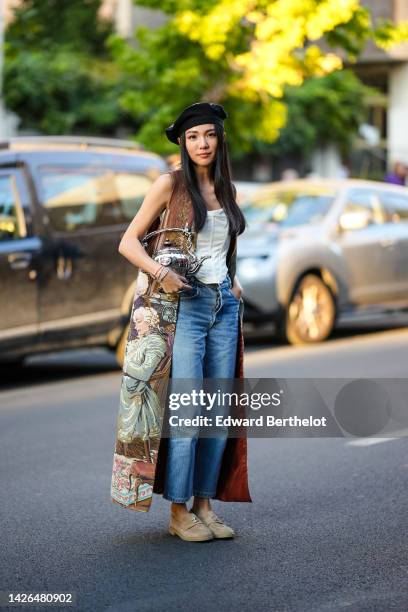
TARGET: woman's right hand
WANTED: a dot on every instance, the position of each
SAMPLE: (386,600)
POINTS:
(174,282)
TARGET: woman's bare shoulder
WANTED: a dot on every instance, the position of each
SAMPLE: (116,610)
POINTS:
(159,194)
(165,180)
(164,184)
(155,201)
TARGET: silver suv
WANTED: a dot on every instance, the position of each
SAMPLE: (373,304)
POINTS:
(317,249)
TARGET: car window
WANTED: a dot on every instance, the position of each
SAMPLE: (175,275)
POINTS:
(396,206)
(290,208)
(365,200)
(131,190)
(12,224)
(77,198)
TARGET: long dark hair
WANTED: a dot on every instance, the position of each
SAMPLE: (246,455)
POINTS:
(220,173)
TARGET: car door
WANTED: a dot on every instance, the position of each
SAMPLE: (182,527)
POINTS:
(395,241)
(83,280)
(19,250)
(363,251)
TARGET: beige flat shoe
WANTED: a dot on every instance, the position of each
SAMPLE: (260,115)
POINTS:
(190,528)
(216,525)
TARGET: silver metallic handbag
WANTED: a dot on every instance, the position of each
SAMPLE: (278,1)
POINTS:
(182,262)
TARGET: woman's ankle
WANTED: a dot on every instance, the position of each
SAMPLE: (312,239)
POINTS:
(201,504)
(178,509)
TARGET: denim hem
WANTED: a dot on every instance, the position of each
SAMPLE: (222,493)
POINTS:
(176,500)
(204,494)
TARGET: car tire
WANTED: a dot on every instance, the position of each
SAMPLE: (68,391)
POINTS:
(311,313)
(121,346)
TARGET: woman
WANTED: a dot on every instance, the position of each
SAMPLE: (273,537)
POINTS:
(206,332)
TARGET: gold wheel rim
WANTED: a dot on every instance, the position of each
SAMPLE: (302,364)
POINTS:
(311,311)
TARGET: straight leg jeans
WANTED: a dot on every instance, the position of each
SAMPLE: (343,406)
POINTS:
(205,345)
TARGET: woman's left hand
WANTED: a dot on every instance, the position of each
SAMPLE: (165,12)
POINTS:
(236,288)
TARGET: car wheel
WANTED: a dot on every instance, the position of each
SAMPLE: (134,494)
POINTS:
(311,313)
(120,349)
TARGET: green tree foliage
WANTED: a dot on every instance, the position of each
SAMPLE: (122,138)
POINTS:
(40,24)
(323,110)
(262,59)
(58,75)
(67,71)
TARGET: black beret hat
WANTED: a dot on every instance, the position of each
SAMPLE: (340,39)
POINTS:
(196,114)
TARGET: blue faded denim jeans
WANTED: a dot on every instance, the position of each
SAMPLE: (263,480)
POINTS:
(205,346)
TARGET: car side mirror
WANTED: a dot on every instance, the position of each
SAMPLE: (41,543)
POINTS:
(358,219)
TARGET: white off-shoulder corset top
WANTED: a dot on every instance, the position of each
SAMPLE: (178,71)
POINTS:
(213,239)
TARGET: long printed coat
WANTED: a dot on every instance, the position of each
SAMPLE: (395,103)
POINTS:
(139,464)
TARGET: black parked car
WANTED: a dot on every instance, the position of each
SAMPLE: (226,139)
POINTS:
(64,206)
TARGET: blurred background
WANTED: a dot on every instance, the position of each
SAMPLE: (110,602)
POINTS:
(324,94)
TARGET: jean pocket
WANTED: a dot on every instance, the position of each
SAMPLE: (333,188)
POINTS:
(234,296)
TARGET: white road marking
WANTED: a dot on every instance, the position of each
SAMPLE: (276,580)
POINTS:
(402,433)
(368,441)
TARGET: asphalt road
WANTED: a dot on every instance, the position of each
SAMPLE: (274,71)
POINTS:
(327,529)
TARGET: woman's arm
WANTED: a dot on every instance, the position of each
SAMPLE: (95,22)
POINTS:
(237,288)
(153,205)
(130,246)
